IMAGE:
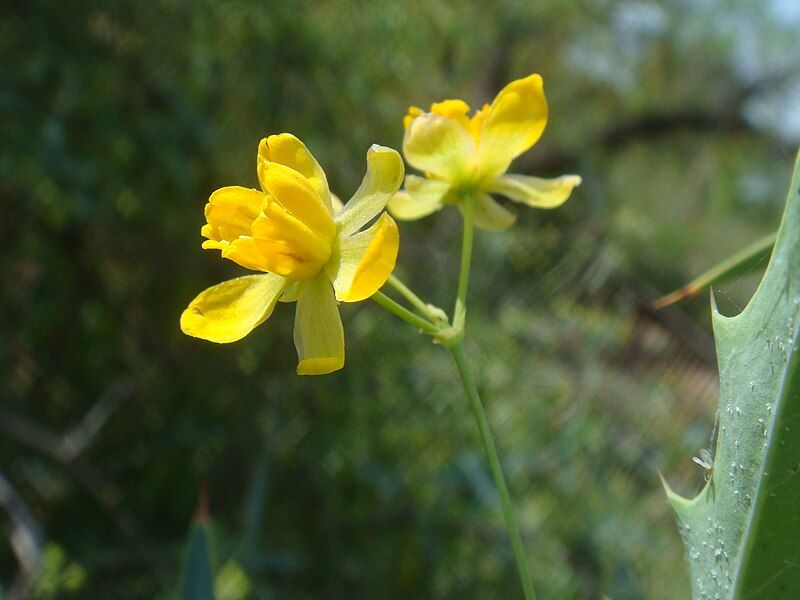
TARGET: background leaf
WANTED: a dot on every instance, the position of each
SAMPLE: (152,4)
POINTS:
(198,572)
(742,262)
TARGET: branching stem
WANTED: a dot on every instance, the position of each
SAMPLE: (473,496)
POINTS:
(405,314)
(415,301)
(452,337)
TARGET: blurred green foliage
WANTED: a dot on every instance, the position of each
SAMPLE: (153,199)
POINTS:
(116,122)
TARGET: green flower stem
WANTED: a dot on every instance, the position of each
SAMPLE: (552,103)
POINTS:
(415,300)
(405,314)
(452,338)
(456,347)
(457,350)
(460,310)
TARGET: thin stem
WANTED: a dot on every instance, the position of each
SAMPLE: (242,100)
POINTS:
(460,310)
(452,338)
(471,390)
(415,300)
(405,314)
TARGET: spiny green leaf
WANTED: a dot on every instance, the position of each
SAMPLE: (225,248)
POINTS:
(741,532)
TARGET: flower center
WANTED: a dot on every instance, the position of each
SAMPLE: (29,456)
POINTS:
(292,247)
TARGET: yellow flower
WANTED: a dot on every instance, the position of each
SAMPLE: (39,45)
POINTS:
(306,249)
(465,156)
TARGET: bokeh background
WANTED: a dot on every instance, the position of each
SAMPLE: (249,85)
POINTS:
(117,119)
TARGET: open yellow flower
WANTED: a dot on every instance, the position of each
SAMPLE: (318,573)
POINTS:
(464,156)
(306,249)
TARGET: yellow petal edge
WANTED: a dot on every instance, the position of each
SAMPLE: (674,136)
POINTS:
(230,310)
(375,264)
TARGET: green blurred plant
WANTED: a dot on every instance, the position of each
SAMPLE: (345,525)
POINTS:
(200,579)
(59,575)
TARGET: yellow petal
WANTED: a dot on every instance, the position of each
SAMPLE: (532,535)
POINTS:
(287,150)
(230,212)
(287,246)
(535,191)
(420,198)
(230,310)
(336,203)
(455,110)
(243,252)
(476,122)
(514,122)
(279,225)
(439,146)
(384,175)
(413,113)
(365,260)
(295,194)
(489,215)
(318,333)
